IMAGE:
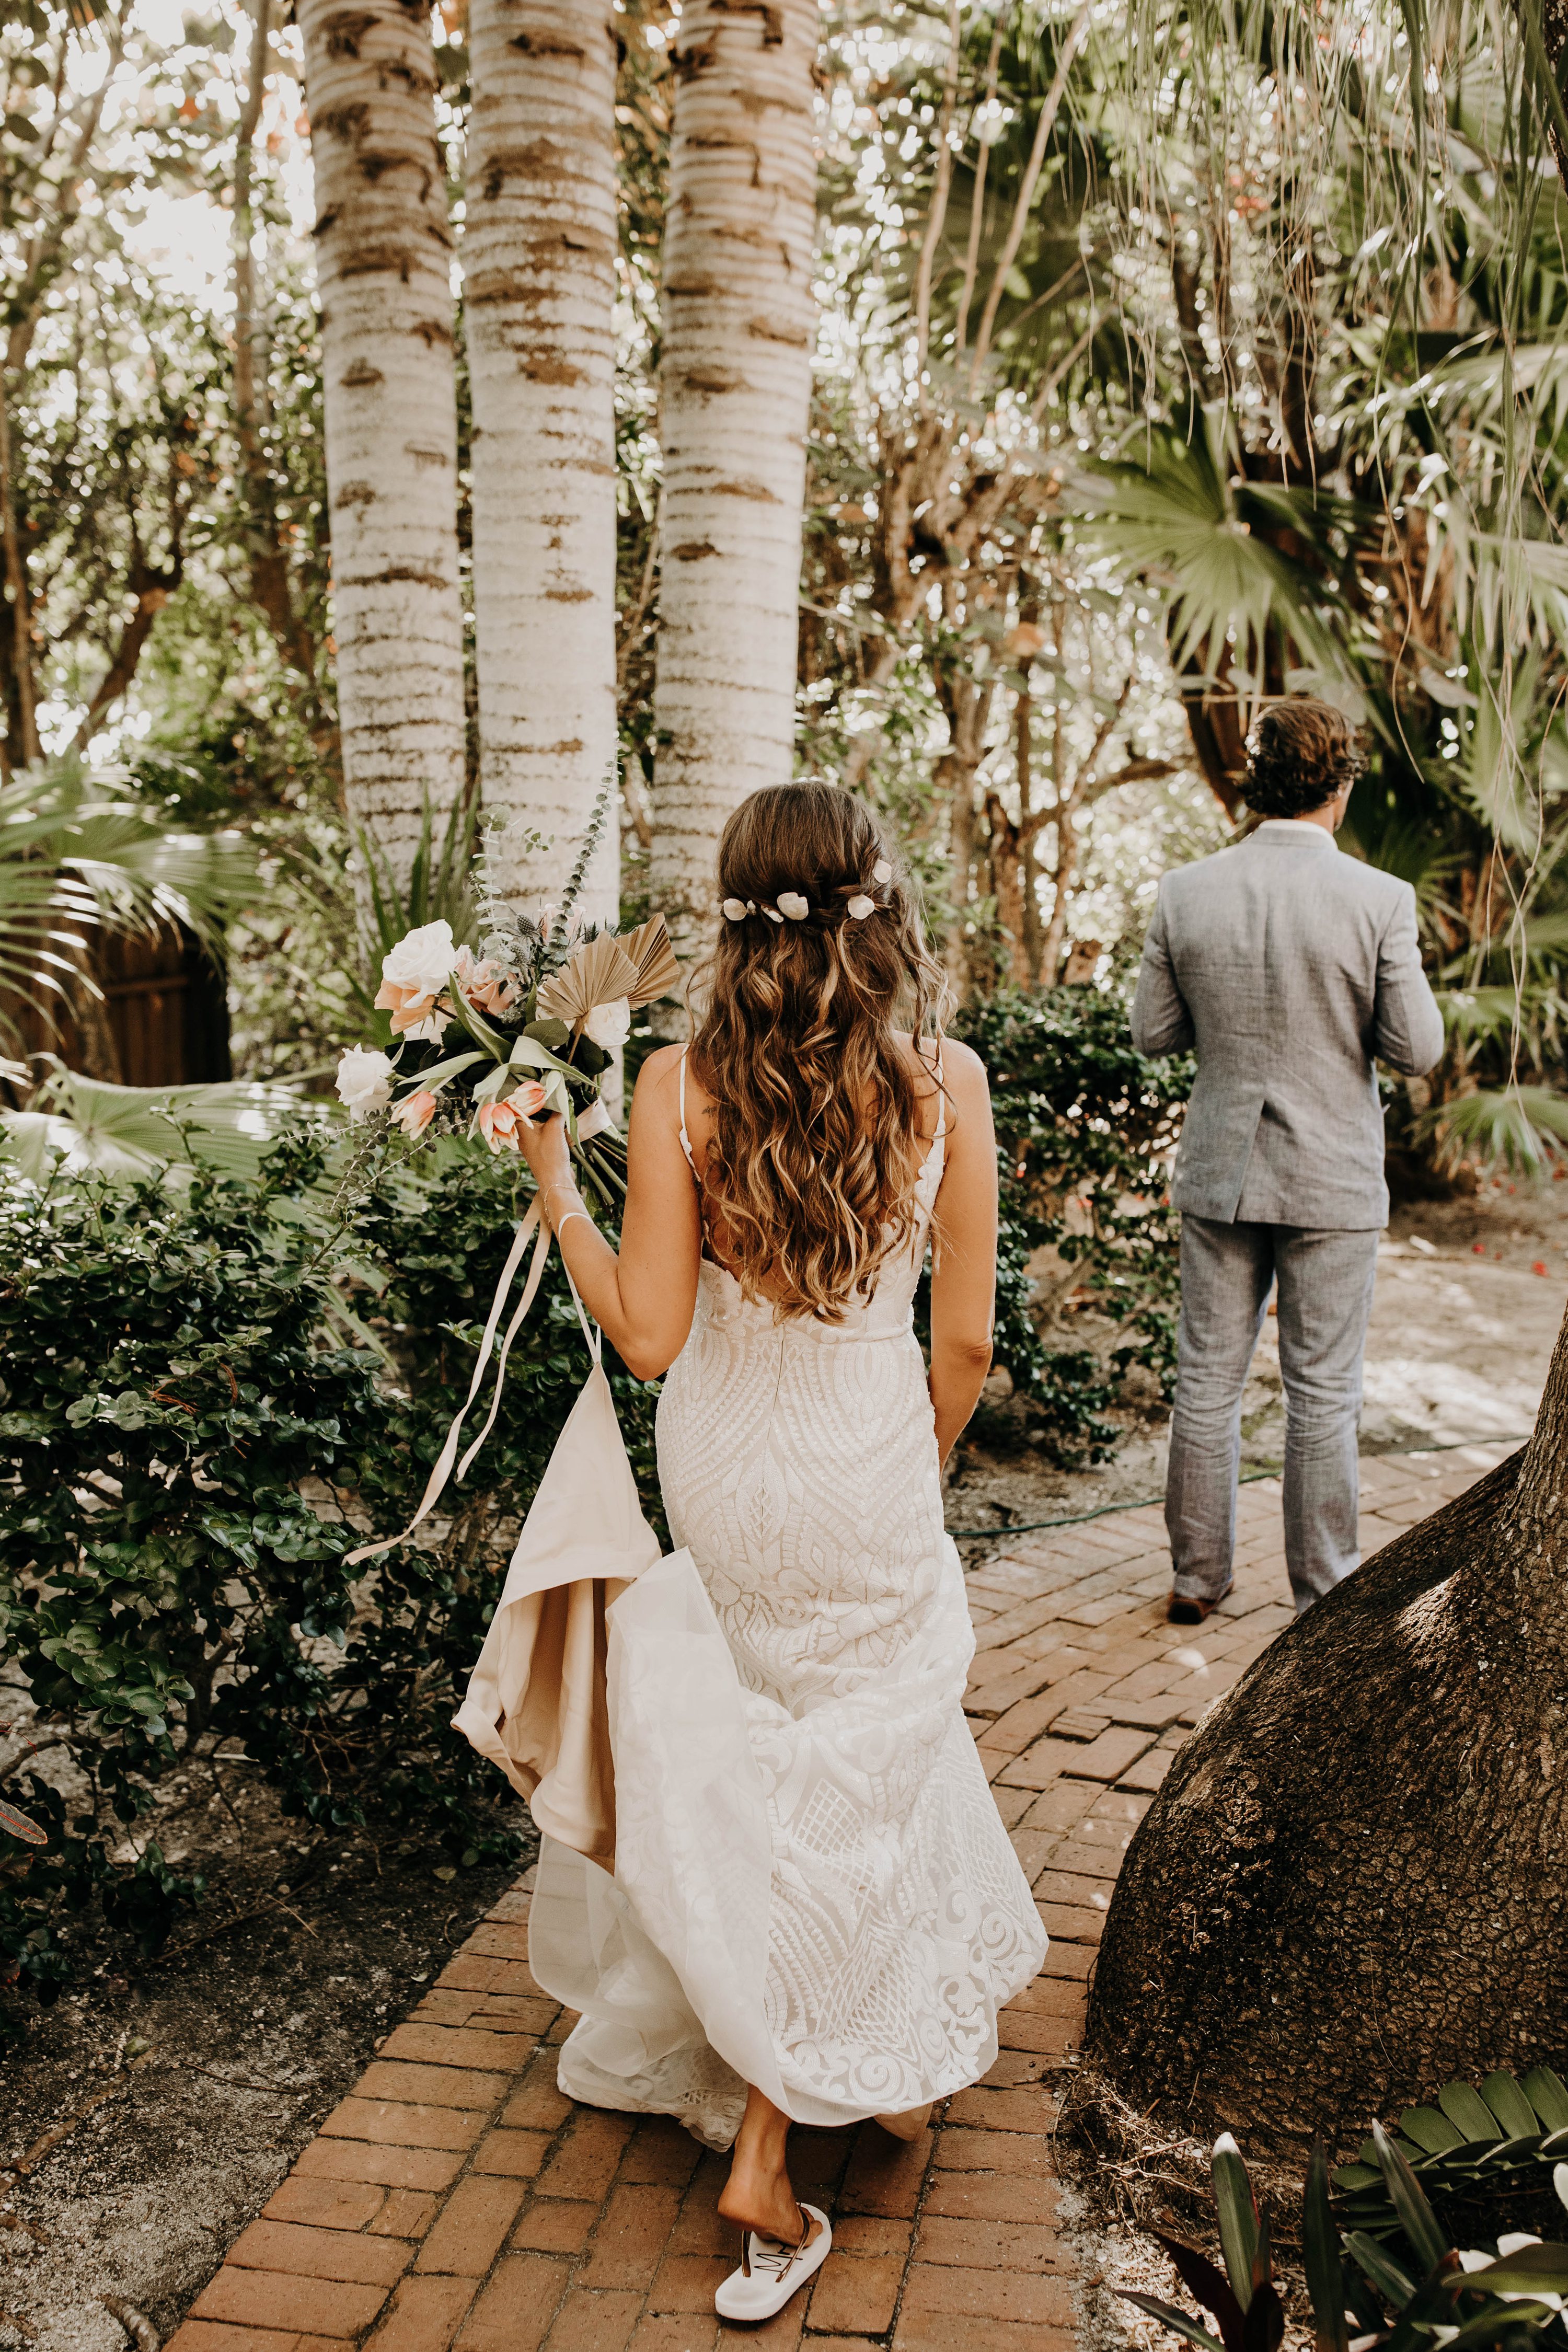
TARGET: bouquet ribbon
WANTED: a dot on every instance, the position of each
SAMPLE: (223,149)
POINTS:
(532,1225)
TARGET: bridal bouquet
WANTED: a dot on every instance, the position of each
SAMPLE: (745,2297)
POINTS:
(486,1044)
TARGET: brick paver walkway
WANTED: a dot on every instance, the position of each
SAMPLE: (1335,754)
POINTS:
(455,2199)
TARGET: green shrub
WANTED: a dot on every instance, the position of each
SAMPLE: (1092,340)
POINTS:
(1085,1128)
(177,1365)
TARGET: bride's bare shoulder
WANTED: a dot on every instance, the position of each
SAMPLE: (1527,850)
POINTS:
(963,1071)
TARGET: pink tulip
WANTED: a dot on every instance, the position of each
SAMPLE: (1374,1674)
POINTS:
(415,1113)
(501,1123)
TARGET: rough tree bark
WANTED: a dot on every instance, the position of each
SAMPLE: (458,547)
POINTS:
(384,273)
(1349,1887)
(538,254)
(738,326)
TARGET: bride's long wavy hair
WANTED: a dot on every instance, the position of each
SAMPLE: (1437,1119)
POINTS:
(816,1124)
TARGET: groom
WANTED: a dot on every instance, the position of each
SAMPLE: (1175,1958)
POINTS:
(1290,967)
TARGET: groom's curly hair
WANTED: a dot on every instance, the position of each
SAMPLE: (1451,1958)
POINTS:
(817,1131)
(1301,754)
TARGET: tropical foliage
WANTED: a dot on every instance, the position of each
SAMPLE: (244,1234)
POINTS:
(1429,2293)
(198,1424)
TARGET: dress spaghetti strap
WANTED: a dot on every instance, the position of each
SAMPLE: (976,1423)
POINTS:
(685,1139)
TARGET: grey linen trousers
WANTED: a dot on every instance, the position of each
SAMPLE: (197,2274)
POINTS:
(1325,1280)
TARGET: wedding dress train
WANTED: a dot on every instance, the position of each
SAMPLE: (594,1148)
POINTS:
(813,1889)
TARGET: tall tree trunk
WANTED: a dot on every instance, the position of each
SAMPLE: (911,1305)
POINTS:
(384,270)
(538,254)
(26,746)
(738,326)
(1349,1888)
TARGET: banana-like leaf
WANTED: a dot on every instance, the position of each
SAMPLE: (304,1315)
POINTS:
(1417,2218)
(1238,2217)
(1177,2321)
(1320,2260)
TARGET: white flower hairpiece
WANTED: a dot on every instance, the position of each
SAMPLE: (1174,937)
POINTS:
(796,907)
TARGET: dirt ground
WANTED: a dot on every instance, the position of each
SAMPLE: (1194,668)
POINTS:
(220,2059)
(186,2087)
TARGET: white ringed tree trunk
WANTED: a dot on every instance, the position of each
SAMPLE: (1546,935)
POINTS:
(739,325)
(539,276)
(384,276)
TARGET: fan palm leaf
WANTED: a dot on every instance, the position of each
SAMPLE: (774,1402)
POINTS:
(79,853)
(1173,515)
(122,1132)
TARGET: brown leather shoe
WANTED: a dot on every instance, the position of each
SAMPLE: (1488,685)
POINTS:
(1180,1611)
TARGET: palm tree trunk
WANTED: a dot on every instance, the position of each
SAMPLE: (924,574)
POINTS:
(539,253)
(384,273)
(1343,1894)
(738,326)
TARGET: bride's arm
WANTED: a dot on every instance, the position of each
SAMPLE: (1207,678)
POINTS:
(643,1299)
(963,1248)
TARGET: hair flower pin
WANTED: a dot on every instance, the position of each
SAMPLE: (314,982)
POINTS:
(773,914)
(792,904)
(860,907)
(737,909)
(882,871)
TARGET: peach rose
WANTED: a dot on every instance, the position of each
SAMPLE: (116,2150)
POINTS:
(413,975)
(487,987)
(501,1123)
(415,1113)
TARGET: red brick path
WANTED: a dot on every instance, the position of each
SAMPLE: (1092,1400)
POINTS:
(455,2202)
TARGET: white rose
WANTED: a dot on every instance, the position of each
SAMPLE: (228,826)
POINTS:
(792,904)
(365,1080)
(609,1026)
(422,962)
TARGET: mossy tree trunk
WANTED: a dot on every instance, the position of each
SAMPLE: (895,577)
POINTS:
(1351,1886)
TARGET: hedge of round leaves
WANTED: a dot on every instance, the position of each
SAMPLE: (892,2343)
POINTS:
(178,1365)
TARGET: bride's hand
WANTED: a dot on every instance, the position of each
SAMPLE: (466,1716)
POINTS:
(547,1151)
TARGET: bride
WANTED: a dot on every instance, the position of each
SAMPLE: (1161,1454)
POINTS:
(845,1956)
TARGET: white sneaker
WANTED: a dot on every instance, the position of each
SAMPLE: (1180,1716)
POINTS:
(771,2272)
(909,2125)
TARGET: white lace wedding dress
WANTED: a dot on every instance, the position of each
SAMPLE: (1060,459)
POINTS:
(813,1891)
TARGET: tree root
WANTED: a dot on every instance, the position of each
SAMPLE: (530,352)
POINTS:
(1143,2174)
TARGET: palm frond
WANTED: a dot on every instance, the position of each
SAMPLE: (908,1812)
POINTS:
(1520,1128)
(1171,514)
(122,1131)
(79,853)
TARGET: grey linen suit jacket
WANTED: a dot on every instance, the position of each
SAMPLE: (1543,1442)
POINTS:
(1290,966)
